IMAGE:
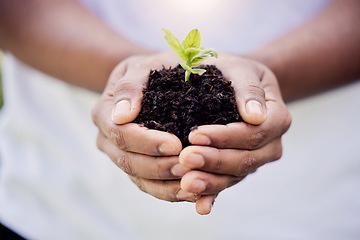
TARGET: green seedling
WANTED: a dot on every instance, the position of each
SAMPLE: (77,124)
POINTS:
(190,51)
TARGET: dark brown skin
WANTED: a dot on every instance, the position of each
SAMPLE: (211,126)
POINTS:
(322,54)
(63,39)
(326,47)
(319,55)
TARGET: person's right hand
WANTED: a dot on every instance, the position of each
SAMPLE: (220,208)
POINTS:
(147,156)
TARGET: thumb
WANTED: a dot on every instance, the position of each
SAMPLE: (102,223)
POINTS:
(253,111)
(127,95)
(124,112)
(250,98)
(246,76)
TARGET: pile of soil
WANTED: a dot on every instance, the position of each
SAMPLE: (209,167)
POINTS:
(170,104)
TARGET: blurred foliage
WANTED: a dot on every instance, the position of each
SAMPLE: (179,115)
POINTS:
(1,95)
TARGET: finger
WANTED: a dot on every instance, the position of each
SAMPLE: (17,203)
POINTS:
(204,183)
(204,204)
(164,190)
(230,161)
(245,136)
(130,79)
(127,91)
(139,165)
(248,89)
(131,137)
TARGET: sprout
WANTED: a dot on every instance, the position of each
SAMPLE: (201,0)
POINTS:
(190,51)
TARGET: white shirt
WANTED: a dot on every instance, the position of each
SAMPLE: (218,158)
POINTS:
(55,184)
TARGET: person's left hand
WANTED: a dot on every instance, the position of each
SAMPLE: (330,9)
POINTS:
(147,156)
(222,155)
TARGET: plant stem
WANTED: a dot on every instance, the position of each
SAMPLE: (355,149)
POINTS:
(187,75)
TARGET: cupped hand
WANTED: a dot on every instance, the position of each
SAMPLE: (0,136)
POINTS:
(227,153)
(222,155)
(147,156)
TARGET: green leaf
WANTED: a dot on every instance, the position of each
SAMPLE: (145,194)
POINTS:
(199,71)
(204,54)
(207,52)
(192,40)
(187,76)
(191,52)
(174,43)
(191,70)
(187,68)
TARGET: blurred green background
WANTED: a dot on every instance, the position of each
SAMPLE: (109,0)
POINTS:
(1,96)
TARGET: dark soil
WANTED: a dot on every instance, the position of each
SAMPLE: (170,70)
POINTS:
(170,104)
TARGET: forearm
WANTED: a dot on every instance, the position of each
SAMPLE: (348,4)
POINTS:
(322,54)
(63,39)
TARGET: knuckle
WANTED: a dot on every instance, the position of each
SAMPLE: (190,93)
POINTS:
(224,140)
(278,154)
(219,161)
(95,114)
(287,122)
(139,183)
(128,88)
(118,138)
(250,164)
(171,195)
(123,86)
(257,138)
(124,163)
(255,90)
(159,171)
(99,143)
(278,151)
(234,181)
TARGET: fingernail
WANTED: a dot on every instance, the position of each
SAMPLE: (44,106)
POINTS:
(121,109)
(179,170)
(194,160)
(200,140)
(198,186)
(185,196)
(254,107)
(167,148)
